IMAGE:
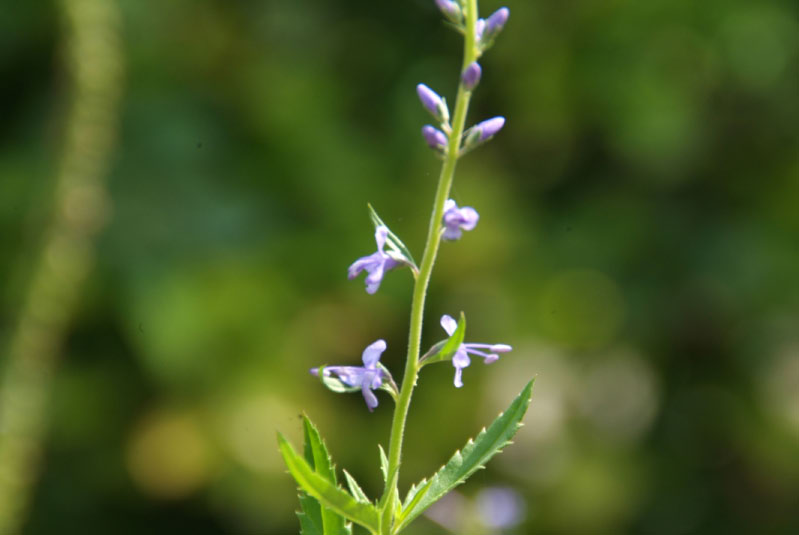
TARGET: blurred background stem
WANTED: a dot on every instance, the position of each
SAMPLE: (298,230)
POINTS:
(91,50)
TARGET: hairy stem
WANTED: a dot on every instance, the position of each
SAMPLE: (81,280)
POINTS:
(425,272)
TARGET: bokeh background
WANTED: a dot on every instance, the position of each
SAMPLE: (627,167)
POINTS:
(638,246)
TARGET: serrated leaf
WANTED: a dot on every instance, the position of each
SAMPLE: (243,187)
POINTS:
(329,494)
(395,245)
(464,463)
(310,516)
(318,458)
(355,489)
(445,349)
(383,464)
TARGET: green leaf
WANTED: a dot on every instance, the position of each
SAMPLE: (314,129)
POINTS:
(327,492)
(383,464)
(474,455)
(395,245)
(310,516)
(317,456)
(356,489)
(445,349)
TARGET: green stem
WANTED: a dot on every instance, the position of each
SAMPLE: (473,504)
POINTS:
(95,61)
(425,271)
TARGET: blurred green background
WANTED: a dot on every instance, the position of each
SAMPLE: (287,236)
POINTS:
(638,246)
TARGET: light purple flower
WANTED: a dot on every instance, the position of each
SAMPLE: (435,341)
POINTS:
(367,377)
(456,220)
(461,358)
(471,76)
(376,264)
(433,103)
(436,139)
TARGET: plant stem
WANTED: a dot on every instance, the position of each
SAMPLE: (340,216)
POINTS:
(425,272)
(94,58)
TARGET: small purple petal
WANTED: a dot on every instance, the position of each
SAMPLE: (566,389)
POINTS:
(471,76)
(380,237)
(491,358)
(469,217)
(315,371)
(490,127)
(349,375)
(449,324)
(500,348)
(372,353)
(436,139)
(369,396)
(359,265)
(460,360)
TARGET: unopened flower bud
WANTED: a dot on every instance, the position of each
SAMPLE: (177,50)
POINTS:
(451,10)
(435,138)
(488,30)
(490,127)
(471,76)
(433,103)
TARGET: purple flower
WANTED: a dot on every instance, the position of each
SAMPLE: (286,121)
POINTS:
(457,220)
(471,76)
(435,138)
(376,264)
(461,358)
(367,377)
(433,103)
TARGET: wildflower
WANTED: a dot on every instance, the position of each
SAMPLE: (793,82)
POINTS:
(433,103)
(471,76)
(367,377)
(456,220)
(376,264)
(460,359)
(436,139)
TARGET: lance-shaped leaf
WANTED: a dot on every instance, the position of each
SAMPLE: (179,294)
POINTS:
(355,489)
(383,464)
(327,492)
(445,349)
(396,249)
(464,463)
(317,456)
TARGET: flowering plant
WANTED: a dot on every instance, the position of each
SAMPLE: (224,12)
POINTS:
(328,509)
